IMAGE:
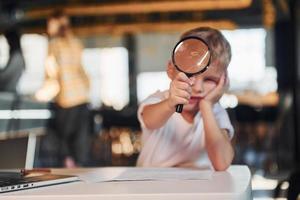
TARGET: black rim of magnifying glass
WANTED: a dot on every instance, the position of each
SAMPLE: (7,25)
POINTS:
(173,56)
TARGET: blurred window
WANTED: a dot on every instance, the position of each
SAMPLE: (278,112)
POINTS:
(3,51)
(34,49)
(248,69)
(150,82)
(108,72)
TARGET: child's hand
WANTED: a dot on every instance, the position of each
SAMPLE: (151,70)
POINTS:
(180,90)
(213,96)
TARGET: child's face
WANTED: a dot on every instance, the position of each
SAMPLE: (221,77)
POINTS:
(203,84)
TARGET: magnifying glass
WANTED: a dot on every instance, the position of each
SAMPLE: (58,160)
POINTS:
(191,55)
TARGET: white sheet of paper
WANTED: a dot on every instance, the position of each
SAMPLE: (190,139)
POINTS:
(143,174)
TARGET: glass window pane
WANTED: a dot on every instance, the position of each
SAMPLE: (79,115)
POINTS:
(108,72)
(150,82)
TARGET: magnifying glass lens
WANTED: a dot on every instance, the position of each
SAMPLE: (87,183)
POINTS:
(191,55)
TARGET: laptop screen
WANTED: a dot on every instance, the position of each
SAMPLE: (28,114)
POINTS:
(13,153)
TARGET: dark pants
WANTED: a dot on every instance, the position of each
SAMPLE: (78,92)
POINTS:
(71,126)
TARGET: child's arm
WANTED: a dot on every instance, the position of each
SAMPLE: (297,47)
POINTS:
(156,115)
(217,141)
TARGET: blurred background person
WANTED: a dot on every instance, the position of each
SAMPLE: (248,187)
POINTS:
(68,85)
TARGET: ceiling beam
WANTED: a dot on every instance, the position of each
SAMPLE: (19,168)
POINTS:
(141,7)
(119,29)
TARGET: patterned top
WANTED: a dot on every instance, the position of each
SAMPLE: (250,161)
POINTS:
(64,67)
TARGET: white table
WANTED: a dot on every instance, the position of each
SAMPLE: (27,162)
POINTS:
(235,183)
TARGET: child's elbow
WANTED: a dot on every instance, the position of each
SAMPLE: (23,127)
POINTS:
(221,167)
(223,163)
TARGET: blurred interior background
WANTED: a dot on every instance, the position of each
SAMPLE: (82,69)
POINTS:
(127,45)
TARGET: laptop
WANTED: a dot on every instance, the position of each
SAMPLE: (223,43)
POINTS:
(19,157)
(13,183)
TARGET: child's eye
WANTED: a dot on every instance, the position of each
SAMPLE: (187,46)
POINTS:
(210,81)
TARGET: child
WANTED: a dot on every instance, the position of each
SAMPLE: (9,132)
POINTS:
(200,135)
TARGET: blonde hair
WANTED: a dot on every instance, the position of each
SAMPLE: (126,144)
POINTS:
(219,46)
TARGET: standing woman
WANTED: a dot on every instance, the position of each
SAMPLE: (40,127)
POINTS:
(67,83)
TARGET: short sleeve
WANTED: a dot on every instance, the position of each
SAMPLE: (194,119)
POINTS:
(152,99)
(223,120)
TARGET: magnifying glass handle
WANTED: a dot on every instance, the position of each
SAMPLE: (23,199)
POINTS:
(179,108)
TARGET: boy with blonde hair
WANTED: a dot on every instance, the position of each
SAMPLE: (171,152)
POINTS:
(200,135)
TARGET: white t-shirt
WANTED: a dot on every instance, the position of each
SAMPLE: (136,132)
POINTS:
(178,142)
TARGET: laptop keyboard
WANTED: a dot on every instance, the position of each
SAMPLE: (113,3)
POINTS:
(6,181)
(12,181)
(8,184)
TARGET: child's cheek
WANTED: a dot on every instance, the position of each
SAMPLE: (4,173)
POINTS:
(209,86)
